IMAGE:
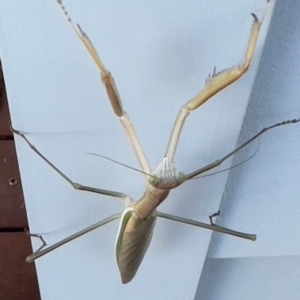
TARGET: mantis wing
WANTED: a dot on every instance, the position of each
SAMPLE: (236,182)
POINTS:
(132,242)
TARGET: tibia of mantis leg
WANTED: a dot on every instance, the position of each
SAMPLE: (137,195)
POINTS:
(219,80)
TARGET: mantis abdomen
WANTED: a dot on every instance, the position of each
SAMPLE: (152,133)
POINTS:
(133,241)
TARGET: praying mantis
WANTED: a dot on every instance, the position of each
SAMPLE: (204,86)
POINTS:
(142,214)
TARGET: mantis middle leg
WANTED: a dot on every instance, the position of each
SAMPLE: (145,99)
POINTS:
(75,185)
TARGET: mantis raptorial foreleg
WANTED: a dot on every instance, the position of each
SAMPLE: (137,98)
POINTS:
(75,185)
(214,84)
(221,160)
(113,95)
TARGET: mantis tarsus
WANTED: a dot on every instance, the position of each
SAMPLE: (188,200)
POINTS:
(138,219)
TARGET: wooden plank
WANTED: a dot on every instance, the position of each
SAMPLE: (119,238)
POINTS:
(17,279)
(4,112)
(12,206)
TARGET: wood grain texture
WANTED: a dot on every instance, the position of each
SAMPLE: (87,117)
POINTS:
(17,279)
(12,206)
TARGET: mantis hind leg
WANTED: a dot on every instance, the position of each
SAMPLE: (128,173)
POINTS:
(44,244)
(41,251)
(211,217)
(213,227)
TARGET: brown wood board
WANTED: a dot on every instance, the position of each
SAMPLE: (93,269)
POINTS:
(18,279)
(12,206)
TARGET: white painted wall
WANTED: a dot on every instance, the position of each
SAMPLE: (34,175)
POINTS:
(263,194)
(160,54)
